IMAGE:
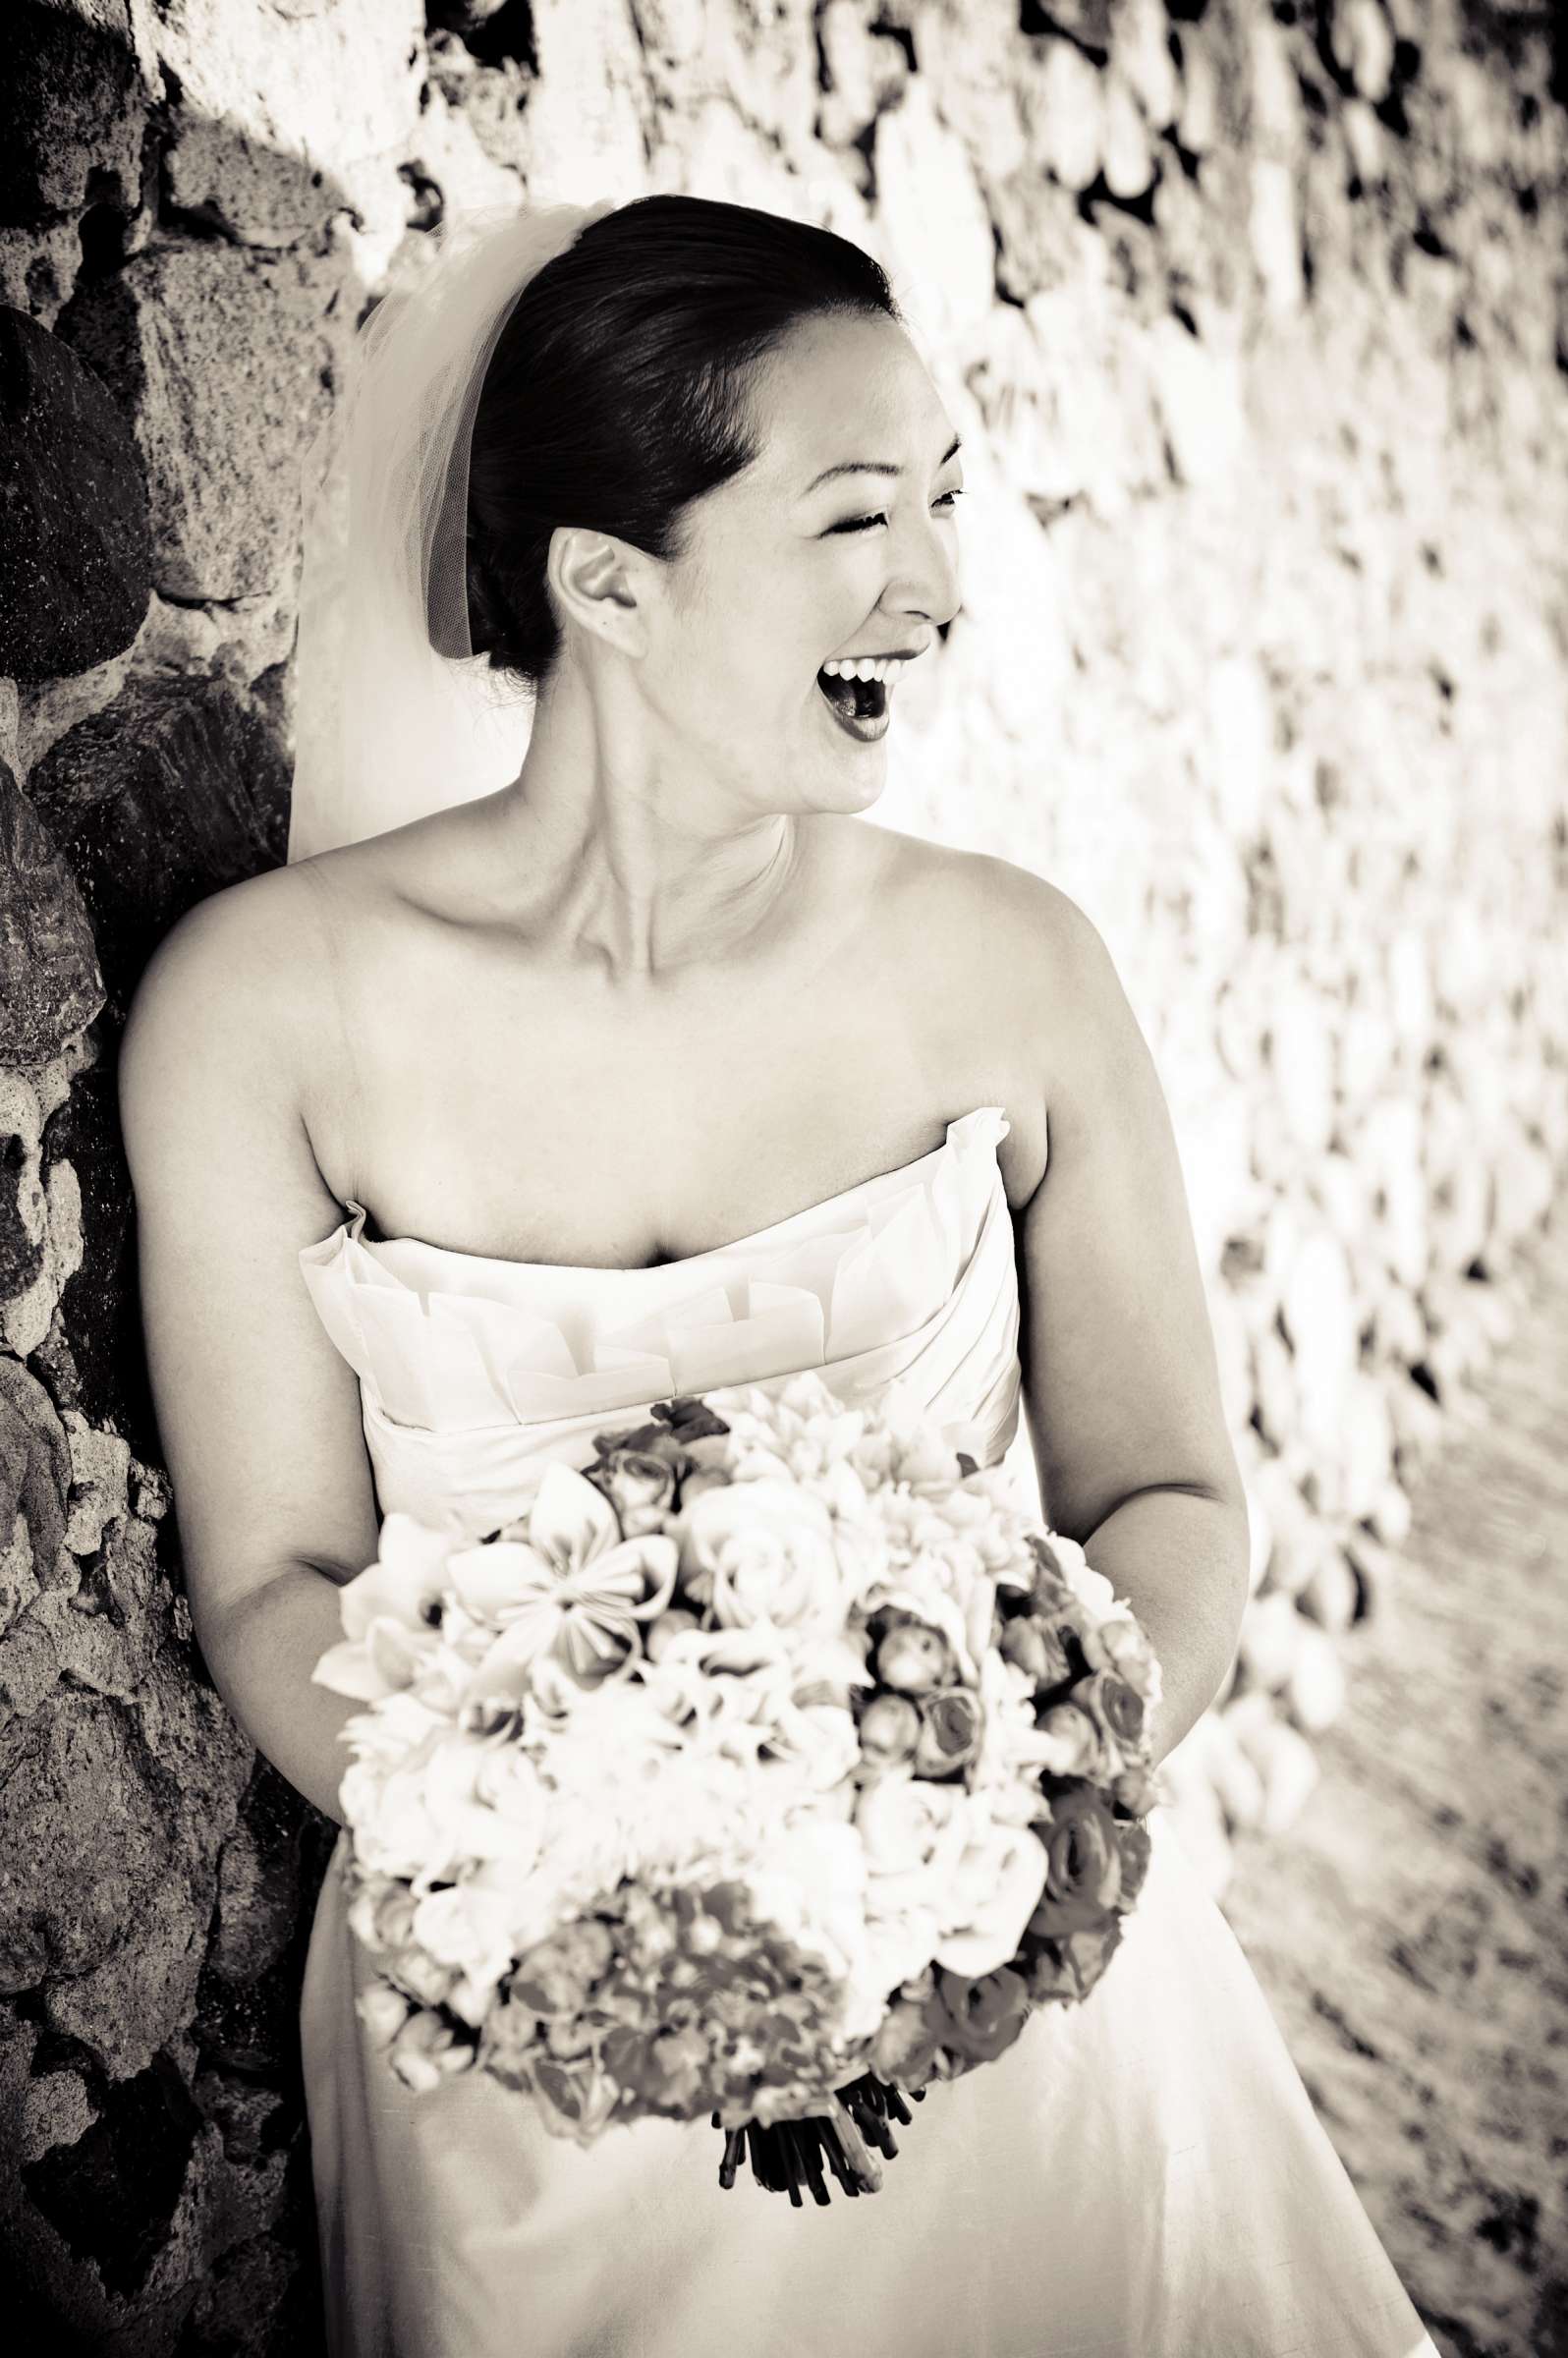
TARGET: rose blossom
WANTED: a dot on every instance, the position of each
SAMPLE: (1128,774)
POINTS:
(906,2044)
(1120,1644)
(639,1484)
(988,2011)
(1083,1957)
(762,1551)
(1072,1744)
(1082,1871)
(951,1732)
(1112,1701)
(1035,1648)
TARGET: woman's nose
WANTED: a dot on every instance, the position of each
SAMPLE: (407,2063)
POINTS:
(927,581)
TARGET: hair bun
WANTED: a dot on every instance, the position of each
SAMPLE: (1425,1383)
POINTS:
(486,611)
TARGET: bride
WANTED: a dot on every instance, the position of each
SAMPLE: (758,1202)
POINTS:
(651,1066)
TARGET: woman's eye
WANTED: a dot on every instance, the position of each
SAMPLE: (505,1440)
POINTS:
(862,523)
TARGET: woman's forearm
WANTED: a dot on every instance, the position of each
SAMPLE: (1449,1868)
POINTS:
(262,1653)
(1181,1561)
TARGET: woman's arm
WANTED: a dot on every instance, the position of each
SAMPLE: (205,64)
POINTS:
(257,1411)
(1120,1375)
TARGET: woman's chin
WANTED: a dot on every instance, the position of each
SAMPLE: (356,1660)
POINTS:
(849,785)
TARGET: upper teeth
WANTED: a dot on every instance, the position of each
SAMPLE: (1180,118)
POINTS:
(867,667)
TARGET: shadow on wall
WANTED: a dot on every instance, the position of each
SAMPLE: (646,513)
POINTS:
(155,2185)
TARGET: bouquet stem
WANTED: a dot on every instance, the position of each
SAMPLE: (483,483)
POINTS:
(789,2154)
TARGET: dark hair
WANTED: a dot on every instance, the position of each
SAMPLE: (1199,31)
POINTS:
(618,391)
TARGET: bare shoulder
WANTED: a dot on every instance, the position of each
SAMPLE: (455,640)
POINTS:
(944,878)
(1024,934)
(217,1041)
(241,970)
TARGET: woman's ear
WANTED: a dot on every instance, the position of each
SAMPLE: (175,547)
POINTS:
(594,579)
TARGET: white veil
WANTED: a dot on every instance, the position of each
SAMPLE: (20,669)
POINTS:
(388,728)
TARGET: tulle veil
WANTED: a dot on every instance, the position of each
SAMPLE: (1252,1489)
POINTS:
(394,715)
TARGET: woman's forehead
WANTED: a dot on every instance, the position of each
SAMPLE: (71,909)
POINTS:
(847,399)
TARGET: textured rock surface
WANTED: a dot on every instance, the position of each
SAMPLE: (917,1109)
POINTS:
(174,790)
(74,552)
(196,340)
(50,987)
(1254,321)
(75,105)
(1408,1930)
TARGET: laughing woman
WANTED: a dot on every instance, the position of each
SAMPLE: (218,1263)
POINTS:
(509,1106)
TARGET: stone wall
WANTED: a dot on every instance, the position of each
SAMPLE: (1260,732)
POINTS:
(1255,322)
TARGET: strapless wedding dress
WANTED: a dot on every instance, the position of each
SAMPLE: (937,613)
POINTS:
(1142,2177)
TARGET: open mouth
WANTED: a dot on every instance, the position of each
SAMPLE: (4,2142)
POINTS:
(859,707)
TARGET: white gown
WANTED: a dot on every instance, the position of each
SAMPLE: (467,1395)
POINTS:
(1141,2177)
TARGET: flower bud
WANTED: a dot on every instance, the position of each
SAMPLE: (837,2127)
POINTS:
(383,2012)
(394,1917)
(914,1659)
(421,1976)
(424,2052)
(889,1729)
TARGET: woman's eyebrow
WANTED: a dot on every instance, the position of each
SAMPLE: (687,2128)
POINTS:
(874,466)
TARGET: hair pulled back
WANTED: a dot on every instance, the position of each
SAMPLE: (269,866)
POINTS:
(618,391)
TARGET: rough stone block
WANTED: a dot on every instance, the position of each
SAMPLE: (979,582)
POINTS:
(50,986)
(73,108)
(174,791)
(218,358)
(75,550)
(286,114)
(111,2196)
(1063,105)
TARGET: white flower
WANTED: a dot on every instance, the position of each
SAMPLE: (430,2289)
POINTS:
(898,1947)
(1012,1752)
(396,1828)
(425,2052)
(764,1552)
(821,1737)
(468,1928)
(914,1834)
(385,1613)
(1091,1589)
(812,1883)
(992,1895)
(383,2012)
(423,1819)
(421,1976)
(401,1730)
(572,1588)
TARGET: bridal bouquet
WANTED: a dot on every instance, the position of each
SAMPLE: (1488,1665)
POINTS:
(776,1765)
